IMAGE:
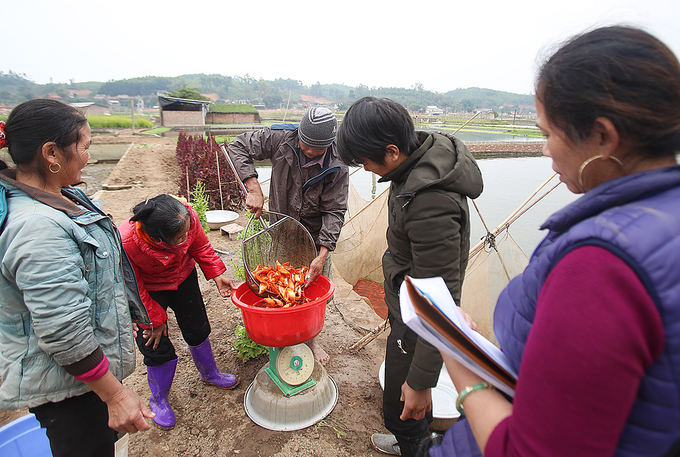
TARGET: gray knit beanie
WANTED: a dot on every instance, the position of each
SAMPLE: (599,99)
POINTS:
(318,128)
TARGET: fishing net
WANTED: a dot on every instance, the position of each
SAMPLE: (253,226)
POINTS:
(275,237)
(362,241)
(491,265)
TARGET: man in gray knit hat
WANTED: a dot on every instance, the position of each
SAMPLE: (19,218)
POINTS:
(308,182)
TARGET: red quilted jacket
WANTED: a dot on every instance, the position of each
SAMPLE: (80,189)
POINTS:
(166,268)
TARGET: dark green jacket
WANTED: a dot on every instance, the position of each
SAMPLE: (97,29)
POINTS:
(429,230)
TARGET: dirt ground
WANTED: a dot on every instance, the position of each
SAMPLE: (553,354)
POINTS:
(212,421)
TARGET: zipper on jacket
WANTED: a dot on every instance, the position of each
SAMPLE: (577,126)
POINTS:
(319,177)
(410,196)
(129,280)
(325,170)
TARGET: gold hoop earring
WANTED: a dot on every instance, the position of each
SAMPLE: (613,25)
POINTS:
(589,161)
(58,169)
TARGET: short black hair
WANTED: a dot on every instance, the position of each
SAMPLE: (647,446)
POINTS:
(162,217)
(370,125)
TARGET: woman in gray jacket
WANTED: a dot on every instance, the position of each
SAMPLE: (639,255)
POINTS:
(66,289)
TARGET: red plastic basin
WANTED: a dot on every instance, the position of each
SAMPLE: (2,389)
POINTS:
(281,327)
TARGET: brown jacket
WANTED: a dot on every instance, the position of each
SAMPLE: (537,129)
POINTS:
(320,203)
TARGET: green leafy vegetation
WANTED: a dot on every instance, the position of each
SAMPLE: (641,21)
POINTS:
(339,428)
(237,263)
(252,228)
(199,202)
(246,348)
(187,93)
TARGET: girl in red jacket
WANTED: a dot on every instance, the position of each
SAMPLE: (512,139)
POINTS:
(164,240)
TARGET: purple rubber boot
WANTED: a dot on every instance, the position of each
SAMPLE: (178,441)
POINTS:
(160,380)
(206,366)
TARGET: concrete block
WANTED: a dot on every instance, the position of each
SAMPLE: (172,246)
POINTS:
(231,230)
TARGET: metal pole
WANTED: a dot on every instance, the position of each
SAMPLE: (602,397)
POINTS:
(219,179)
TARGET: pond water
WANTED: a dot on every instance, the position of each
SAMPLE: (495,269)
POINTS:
(508,182)
(468,137)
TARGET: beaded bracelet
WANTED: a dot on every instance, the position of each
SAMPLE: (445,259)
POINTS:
(467,391)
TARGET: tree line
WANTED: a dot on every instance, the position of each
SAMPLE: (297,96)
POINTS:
(279,93)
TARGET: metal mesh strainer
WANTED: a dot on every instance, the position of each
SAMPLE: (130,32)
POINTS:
(282,238)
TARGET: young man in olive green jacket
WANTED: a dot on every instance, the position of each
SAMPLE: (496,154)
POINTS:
(432,175)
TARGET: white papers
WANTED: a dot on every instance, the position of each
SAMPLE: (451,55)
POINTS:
(462,343)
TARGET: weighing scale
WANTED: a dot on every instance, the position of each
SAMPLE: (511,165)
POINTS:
(291,368)
(292,391)
(273,400)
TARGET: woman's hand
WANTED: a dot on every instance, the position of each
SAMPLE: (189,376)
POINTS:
(154,336)
(459,373)
(473,325)
(416,402)
(224,285)
(127,412)
(485,409)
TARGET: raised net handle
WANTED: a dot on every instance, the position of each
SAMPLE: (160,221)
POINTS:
(238,179)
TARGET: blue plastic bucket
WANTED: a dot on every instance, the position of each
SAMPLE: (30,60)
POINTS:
(23,437)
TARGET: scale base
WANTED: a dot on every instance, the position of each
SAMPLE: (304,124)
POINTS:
(286,389)
(268,407)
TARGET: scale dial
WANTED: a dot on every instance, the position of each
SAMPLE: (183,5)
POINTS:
(295,364)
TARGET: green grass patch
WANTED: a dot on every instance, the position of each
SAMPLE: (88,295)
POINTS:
(224,139)
(158,131)
(229,109)
(117,122)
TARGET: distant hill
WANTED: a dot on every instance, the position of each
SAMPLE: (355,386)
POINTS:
(16,88)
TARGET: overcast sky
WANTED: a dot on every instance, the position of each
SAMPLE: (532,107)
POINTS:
(442,45)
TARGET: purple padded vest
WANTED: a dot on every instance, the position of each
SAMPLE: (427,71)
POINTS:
(637,218)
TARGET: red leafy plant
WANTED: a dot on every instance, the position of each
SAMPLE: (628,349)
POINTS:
(200,159)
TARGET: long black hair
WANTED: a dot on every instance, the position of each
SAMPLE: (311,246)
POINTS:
(33,123)
(621,73)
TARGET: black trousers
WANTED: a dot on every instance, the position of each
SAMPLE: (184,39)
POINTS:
(401,344)
(77,426)
(192,319)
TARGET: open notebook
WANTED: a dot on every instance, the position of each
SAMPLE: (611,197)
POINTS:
(429,310)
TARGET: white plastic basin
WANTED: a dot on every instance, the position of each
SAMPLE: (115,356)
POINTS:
(218,218)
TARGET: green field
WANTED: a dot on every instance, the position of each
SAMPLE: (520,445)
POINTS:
(117,122)
(158,130)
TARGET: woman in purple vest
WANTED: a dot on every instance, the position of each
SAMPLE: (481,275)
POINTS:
(593,324)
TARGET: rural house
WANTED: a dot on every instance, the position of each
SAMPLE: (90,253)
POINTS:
(89,108)
(179,112)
